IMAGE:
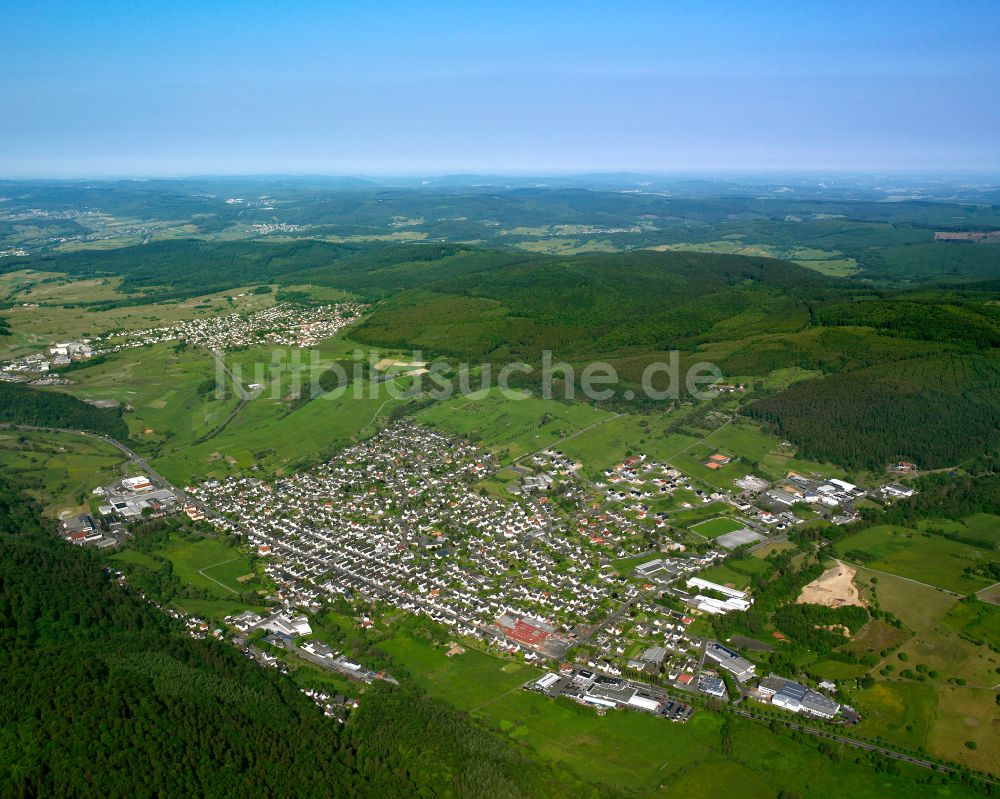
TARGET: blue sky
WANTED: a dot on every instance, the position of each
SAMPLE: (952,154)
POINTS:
(179,88)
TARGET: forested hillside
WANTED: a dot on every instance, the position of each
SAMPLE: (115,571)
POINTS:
(102,695)
(905,374)
(936,411)
(29,406)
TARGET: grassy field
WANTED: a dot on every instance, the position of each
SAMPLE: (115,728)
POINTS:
(744,439)
(736,572)
(512,426)
(638,753)
(612,442)
(985,526)
(468,681)
(979,621)
(899,712)
(770,549)
(214,610)
(210,564)
(160,390)
(137,558)
(938,714)
(691,461)
(60,469)
(713,528)
(267,434)
(874,637)
(909,553)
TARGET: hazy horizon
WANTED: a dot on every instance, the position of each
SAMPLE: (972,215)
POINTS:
(112,89)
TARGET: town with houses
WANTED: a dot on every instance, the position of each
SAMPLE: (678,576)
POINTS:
(283,324)
(401,519)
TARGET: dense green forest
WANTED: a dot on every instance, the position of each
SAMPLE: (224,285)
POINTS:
(101,694)
(935,412)
(29,406)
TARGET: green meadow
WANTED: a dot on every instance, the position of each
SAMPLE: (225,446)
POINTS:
(60,468)
(513,425)
(639,754)
(212,565)
(168,396)
(268,434)
(919,556)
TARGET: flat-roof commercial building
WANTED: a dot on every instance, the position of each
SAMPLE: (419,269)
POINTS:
(737,665)
(797,698)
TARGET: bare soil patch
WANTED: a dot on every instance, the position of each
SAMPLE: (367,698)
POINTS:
(835,588)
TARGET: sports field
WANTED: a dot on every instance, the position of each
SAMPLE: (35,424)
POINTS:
(713,528)
(212,565)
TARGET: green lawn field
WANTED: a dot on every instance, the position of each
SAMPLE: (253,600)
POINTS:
(713,528)
(212,565)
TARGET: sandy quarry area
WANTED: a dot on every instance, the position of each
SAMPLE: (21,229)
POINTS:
(835,587)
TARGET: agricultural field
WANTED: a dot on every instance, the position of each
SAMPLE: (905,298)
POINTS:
(513,426)
(929,559)
(828,262)
(60,469)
